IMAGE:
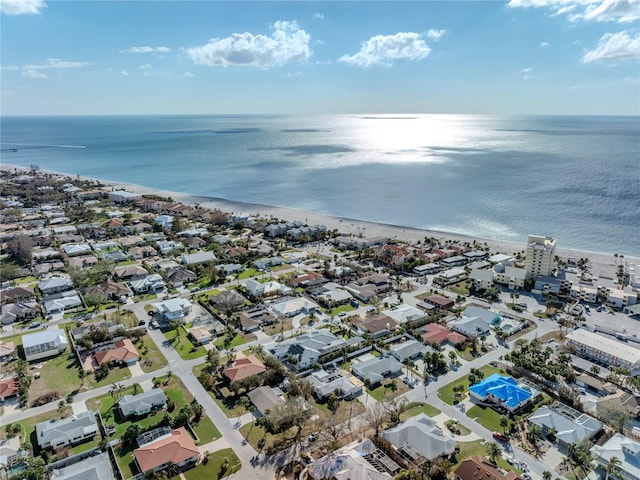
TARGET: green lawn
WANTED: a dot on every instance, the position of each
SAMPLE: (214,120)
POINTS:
(248,273)
(416,408)
(126,461)
(254,433)
(459,288)
(182,344)
(29,424)
(105,405)
(446,393)
(468,449)
(341,308)
(211,470)
(236,342)
(385,388)
(485,416)
(153,359)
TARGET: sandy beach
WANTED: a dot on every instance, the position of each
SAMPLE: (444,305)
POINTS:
(601,263)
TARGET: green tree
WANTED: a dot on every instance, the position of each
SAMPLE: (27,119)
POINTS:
(504,423)
(612,466)
(493,451)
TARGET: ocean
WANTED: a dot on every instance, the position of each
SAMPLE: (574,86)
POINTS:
(576,178)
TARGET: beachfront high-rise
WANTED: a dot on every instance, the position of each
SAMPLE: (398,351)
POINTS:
(541,252)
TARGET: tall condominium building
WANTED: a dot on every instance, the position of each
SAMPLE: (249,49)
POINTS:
(540,254)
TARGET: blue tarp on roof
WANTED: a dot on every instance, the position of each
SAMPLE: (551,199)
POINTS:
(503,388)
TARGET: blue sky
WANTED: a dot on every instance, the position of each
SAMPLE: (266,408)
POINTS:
(150,57)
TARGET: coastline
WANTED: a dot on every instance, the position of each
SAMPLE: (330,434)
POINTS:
(601,263)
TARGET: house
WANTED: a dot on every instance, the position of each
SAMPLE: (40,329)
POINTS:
(264,399)
(176,448)
(18,312)
(115,256)
(15,294)
(55,285)
(303,351)
(307,279)
(244,367)
(122,352)
(94,467)
(166,246)
(455,261)
(141,404)
(469,326)
(112,290)
(290,307)
(267,289)
(502,391)
(410,349)
(360,460)
(150,284)
(331,295)
(67,431)
(145,251)
(60,302)
(476,467)
(377,369)
(180,276)
(227,300)
(200,334)
(489,317)
(9,387)
(82,262)
(376,325)
(175,308)
(165,221)
(200,257)
(75,249)
(46,343)
(626,450)
(434,333)
(419,438)
(405,313)
(324,383)
(440,302)
(568,425)
(511,277)
(254,317)
(7,351)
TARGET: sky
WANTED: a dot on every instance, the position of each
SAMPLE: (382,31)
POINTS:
(216,57)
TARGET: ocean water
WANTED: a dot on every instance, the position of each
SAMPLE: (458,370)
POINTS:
(576,178)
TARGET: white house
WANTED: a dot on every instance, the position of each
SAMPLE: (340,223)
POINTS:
(266,289)
(420,434)
(46,343)
(175,308)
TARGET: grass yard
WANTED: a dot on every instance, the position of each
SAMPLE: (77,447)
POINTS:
(211,469)
(459,288)
(416,408)
(385,389)
(339,309)
(477,447)
(278,327)
(485,416)
(248,273)
(126,318)
(238,340)
(446,393)
(125,461)
(29,424)
(182,344)
(153,359)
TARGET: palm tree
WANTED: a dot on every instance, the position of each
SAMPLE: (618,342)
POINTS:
(612,466)
(504,422)
(493,451)
(533,433)
(452,356)
(547,475)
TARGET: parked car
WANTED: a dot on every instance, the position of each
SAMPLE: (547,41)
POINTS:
(500,436)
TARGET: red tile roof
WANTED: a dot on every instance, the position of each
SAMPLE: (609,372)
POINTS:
(244,367)
(178,447)
(477,467)
(8,388)
(436,333)
(123,351)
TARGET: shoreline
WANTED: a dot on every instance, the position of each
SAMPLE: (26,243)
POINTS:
(601,262)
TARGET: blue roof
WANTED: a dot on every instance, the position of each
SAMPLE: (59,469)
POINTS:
(503,388)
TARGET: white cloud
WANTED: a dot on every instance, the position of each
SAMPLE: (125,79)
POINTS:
(288,43)
(22,7)
(615,46)
(290,75)
(527,70)
(146,50)
(29,70)
(544,44)
(318,16)
(595,10)
(383,49)
(124,73)
(34,74)
(146,66)
(188,74)
(527,76)
(436,35)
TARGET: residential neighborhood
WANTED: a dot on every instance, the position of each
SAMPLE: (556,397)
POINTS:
(269,349)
